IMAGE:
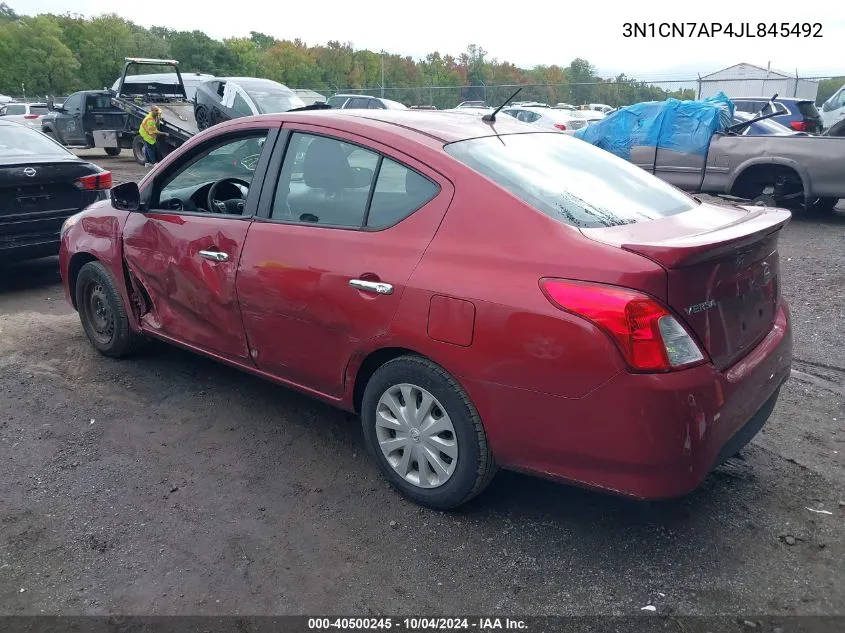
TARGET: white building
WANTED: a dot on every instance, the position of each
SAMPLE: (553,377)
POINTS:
(748,80)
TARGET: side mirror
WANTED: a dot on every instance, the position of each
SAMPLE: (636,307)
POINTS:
(51,103)
(126,197)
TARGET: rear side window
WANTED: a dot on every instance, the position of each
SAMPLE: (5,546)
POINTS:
(399,192)
(16,108)
(808,109)
(336,102)
(326,181)
(570,180)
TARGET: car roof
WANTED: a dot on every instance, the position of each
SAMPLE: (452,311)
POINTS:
(441,125)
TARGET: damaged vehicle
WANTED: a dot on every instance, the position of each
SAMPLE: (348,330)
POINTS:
(644,341)
(226,98)
(696,146)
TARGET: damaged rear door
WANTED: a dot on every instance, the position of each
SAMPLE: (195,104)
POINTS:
(183,249)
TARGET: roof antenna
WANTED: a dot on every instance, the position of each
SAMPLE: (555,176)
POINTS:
(490,118)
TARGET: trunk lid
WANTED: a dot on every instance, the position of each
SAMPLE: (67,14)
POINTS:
(37,204)
(722,267)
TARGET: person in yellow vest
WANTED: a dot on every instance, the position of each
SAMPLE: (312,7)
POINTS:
(149,132)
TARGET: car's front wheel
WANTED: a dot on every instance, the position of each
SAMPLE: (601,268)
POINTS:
(102,313)
(425,434)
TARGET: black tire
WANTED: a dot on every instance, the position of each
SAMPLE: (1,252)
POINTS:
(51,135)
(138,150)
(824,205)
(112,151)
(202,117)
(475,465)
(102,313)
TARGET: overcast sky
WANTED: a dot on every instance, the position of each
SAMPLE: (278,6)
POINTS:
(524,33)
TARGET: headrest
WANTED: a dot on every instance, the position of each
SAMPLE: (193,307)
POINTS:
(325,166)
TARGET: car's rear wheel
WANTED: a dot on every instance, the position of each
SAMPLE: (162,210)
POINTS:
(102,313)
(202,117)
(425,434)
(112,151)
(138,150)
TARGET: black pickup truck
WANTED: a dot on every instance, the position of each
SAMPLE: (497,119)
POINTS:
(110,118)
(88,119)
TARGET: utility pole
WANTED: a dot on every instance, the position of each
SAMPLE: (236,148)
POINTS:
(382,74)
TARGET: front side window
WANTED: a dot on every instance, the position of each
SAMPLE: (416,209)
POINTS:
(241,106)
(222,172)
(73,103)
(570,180)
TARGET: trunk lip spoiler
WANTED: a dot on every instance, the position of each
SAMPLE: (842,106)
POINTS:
(699,243)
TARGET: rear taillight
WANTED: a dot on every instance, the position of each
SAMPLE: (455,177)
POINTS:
(648,335)
(560,126)
(95,182)
(798,126)
(31,116)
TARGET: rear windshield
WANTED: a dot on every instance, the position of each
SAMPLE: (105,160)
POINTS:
(570,180)
(38,109)
(808,109)
(17,140)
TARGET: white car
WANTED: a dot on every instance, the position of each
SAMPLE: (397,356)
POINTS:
(833,110)
(189,80)
(589,115)
(27,113)
(600,107)
(547,118)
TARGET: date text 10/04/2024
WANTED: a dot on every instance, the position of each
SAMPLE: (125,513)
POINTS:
(717,29)
(482,625)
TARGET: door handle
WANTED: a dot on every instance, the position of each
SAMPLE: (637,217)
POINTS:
(378,287)
(214,256)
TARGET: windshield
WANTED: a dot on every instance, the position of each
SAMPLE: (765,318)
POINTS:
(570,180)
(268,101)
(17,140)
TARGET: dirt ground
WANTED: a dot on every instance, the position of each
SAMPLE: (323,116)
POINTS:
(169,484)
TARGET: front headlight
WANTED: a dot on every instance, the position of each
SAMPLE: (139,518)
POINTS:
(68,224)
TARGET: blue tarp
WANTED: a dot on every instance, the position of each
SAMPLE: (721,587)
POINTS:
(681,126)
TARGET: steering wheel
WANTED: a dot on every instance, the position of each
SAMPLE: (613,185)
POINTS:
(234,206)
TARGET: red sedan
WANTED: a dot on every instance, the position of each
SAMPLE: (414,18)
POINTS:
(481,293)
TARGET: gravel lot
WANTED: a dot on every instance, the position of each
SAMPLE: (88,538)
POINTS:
(169,484)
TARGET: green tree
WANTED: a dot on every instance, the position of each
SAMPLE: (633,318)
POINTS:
(828,87)
(292,64)
(33,57)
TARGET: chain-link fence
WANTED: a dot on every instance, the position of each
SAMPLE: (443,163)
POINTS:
(610,92)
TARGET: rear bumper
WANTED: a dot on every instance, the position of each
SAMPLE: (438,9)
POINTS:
(646,436)
(31,248)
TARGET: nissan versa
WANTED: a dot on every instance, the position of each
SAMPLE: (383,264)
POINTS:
(481,293)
